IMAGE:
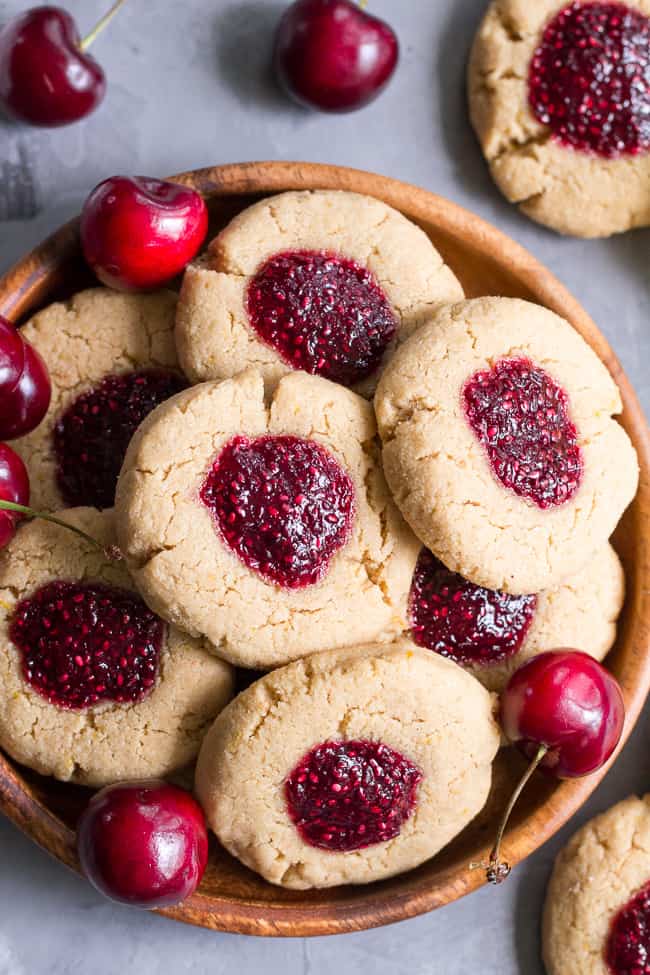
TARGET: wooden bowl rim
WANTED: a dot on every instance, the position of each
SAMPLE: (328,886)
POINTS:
(380,906)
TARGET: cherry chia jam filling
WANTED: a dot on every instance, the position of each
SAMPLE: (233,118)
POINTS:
(589,79)
(84,642)
(91,437)
(282,504)
(467,623)
(322,313)
(347,795)
(521,417)
(627,951)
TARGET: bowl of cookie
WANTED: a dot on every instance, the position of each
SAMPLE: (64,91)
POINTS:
(311,510)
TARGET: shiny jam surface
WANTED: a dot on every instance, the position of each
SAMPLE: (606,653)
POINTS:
(91,437)
(85,642)
(627,951)
(322,313)
(589,79)
(282,504)
(347,795)
(467,623)
(521,417)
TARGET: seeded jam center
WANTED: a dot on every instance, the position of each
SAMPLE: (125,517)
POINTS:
(347,795)
(284,505)
(628,946)
(467,623)
(521,417)
(589,79)
(83,643)
(321,313)
(91,437)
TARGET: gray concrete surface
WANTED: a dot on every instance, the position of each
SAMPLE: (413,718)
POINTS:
(189,87)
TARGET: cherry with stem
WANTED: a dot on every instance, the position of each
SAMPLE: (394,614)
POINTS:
(565,712)
(111,552)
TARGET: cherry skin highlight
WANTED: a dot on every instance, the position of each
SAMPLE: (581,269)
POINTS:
(567,702)
(628,946)
(348,795)
(12,357)
(139,233)
(91,438)
(45,77)
(283,505)
(322,313)
(467,623)
(85,642)
(521,417)
(14,487)
(589,79)
(24,406)
(143,843)
(332,55)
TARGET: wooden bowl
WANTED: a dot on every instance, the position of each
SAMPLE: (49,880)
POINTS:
(231,898)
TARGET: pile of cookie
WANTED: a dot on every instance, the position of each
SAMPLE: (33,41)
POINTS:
(319,460)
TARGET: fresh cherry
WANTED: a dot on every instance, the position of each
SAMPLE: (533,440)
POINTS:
(46,77)
(566,713)
(23,407)
(332,55)
(143,843)
(139,233)
(14,487)
(12,357)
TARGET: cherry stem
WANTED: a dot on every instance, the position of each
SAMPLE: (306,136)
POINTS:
(99,27)
(497,870)
(111,552)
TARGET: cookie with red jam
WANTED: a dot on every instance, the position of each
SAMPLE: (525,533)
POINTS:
(348,766)
(265,525)
(500,447)
(491,633)
(559,95)
(597,911)
(111,359)
(94,686)
(322,281)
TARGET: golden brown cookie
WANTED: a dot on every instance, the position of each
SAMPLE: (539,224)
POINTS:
(111,359)
(499,444)
(559,120)
(265,526)
(325,281)
(597,911)
(492,633)
(93,686)
(348,766)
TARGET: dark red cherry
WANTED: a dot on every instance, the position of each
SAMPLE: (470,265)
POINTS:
(12,356)
(567,702)
(139,233)
(332,55)
(566,713)
(143,843)
(46,78)
(23,407)
(14,487)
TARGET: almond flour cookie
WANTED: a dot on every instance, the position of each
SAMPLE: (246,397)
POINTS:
(499,444)
(266,527)
(597,912)
(111,359)
(492,633)
(322,281)
(94,687)
(348,766)
(558,101)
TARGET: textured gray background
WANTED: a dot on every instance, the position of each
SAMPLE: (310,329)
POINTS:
(189,87)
